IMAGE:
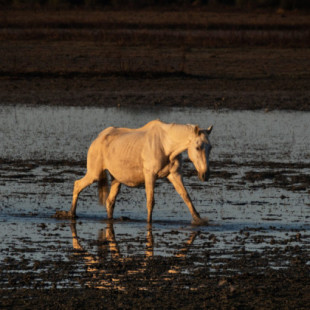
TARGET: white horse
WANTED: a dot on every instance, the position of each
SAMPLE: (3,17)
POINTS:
(136,156)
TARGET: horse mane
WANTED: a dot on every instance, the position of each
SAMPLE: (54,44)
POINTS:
(179,131)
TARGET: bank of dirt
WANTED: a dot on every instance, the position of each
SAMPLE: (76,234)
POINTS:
(236,60)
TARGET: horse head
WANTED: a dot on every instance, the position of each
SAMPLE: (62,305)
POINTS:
(199,151)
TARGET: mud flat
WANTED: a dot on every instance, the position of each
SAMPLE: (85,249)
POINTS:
(197,276)
(254,254)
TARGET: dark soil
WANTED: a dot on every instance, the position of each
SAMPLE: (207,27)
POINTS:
(269,290)
(236,60)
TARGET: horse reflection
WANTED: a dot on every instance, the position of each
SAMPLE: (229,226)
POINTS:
(101,273)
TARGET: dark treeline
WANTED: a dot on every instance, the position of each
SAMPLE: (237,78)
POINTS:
(285,4)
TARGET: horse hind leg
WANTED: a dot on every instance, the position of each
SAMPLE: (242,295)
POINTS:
(79,185)
(110,202)
(103,188)
(107,197)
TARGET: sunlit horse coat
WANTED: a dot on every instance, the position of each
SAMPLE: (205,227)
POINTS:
(136,156)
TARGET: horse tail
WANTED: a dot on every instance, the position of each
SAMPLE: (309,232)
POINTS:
(103,187)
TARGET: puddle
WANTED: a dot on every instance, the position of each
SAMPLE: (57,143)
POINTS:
(257,199)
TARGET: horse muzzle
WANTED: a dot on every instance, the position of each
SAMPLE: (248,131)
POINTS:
(204,176)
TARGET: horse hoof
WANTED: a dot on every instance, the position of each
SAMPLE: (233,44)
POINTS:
(64,215)
(200,221)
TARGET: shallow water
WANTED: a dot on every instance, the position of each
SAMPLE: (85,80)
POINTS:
(43,150)
(66,132)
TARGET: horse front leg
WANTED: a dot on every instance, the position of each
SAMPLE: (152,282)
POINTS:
(149,189)
(176,179)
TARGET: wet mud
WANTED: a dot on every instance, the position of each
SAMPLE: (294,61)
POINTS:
(254,253)
(62,83)
(196,274)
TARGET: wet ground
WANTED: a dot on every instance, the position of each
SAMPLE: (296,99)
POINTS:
(256,246)
(66,75)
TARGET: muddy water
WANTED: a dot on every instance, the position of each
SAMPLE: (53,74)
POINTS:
(257,199)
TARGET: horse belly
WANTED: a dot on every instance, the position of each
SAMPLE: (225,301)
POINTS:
(128,175)
(127,171)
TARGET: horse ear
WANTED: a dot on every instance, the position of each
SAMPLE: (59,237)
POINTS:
(209,129)
(197,130)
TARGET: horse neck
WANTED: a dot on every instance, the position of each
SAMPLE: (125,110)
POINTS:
(179,137)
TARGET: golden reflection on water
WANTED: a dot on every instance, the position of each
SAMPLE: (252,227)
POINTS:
(101,277)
